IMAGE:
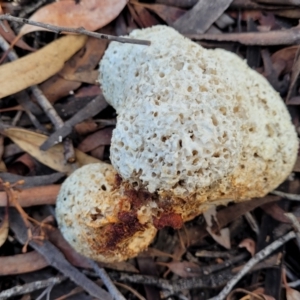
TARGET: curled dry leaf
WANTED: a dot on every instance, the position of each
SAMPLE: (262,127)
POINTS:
(54,158)
(38,66)
(90,14)
(249,244)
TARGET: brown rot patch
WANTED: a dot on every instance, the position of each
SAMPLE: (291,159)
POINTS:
(118,232)
(118,180)
(137,198)
(168,219)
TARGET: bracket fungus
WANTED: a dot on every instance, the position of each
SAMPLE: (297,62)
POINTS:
(195,128)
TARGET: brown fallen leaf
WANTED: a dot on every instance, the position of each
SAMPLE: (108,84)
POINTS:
(294,75)
(276,212)
(98,152)
(22,263)
(33,196)
(99,138)
(87,76)
(263,38)
(38,66)
(88,91)
(142,16)
(84,60)
(167,13)
(4,225)
(283,60)
(54,158)
(90,14)
(7,33)
(201,16)
(2,164)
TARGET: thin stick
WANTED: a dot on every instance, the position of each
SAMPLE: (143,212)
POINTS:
(293,197)
(269,38)
(56,120)
(107,281)
(253,261)
(31,287)
(80,30)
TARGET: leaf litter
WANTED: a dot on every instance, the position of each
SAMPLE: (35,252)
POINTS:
(65,68)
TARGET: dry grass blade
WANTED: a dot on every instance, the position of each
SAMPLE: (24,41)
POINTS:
(38,66)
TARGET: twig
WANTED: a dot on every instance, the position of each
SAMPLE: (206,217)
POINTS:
(80,30)
(47,107)
(46,292)
(16,118)
(31,287)
(56,120)
(107,281)
(91,109)
(296,226)
(254,260)
(56,259)
(293,197)
(269,38)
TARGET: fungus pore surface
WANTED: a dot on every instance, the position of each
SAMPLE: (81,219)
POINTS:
(193,121)
(97,220)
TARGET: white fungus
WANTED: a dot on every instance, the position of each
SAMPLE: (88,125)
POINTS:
(195,128)
(97,220)
(194,121)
